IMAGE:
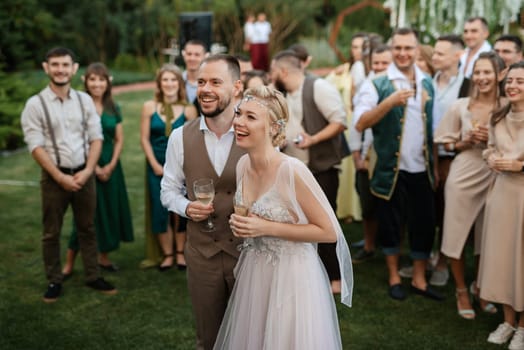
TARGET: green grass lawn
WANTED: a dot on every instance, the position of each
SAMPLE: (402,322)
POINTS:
(152,309)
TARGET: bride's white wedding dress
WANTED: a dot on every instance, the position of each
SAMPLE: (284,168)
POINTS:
(282,298)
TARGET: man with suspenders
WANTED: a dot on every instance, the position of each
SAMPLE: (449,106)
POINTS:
(64,135)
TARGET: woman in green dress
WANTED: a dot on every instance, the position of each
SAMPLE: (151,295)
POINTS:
(113,217)
(167,111)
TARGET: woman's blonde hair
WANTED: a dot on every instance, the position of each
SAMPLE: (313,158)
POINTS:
(277,109)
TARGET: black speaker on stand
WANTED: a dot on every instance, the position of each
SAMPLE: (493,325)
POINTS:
(196,26)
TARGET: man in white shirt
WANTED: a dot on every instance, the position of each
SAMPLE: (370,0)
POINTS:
(476,33)
(64,135)
(317,119)
(398,106)
(205,148)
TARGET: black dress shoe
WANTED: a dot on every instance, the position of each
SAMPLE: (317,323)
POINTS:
(396,292)
(429,292)
(52,293)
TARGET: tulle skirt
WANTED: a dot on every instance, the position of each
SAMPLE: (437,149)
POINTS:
(281,301)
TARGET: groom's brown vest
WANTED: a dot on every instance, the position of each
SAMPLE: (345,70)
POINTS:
(197,166)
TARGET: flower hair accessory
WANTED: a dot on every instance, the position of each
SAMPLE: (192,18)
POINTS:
(251,98)
(281,123)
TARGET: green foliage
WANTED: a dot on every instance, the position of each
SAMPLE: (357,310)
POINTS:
(13,94)
(128,62)
(25,25)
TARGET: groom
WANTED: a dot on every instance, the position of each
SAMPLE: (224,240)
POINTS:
(205,148)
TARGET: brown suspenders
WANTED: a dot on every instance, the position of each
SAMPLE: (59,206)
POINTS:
(52,132)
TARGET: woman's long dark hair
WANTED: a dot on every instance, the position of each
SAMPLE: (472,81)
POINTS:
(101,70)
(498,66)
(501,113)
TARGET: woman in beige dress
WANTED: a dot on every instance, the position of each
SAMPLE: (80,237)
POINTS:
(501,273)
(463,129)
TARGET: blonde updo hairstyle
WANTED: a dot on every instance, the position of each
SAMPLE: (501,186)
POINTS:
(277,109)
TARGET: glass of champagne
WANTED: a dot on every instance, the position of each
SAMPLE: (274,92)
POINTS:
(475,123)
(205,193)
(239,206)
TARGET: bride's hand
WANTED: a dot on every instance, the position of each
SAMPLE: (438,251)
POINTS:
(247,226)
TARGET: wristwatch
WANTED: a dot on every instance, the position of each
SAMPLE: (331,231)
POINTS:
(451,146)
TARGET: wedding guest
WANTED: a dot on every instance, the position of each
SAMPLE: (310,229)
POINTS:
(362,153)
(166,112)
(509,48)
(245,65)
(302,54)
(449,84)
(193,53)
(476,33)
(248,31)
(282,297)
(398,107)
(501,274)
(464,129)
(113,217)
(424,60)
(64,135)
(258,38)
(254,78)
(359,46)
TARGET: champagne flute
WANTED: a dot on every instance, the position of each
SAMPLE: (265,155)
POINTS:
(242,209)
(205,193)
(475,123)
(239,206)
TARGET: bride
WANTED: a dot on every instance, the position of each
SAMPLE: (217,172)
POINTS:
(282,297)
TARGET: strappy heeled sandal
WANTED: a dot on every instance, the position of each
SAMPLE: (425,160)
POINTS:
(163,268)
(181,267)
(467,314)
(488,308)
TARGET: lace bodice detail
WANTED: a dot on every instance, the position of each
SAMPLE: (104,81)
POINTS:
(271,206)
(279,203)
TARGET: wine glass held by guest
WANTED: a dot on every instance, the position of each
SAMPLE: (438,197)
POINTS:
(205,193)
(288,214)
(113,216)
(167,111)
(501,268)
